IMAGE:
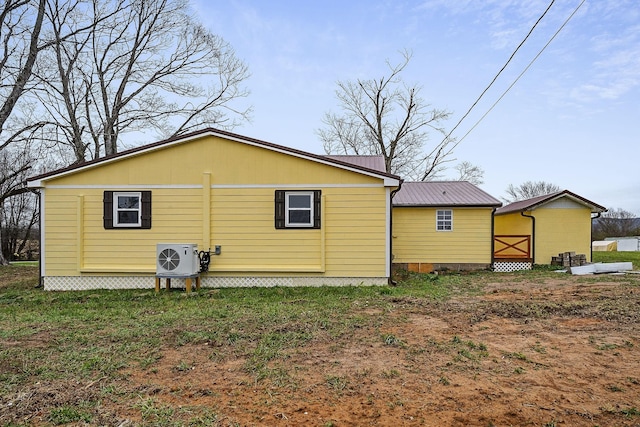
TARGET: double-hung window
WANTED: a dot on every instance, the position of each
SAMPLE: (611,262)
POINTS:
(444,220)
(297,209)
(127,209)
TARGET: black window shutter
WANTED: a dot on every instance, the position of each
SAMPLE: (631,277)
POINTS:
(146,209)
(317,212)
(107,202)
(279,209)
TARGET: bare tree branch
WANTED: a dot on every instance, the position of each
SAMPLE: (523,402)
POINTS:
(384,117)
(528,190)
(135,66)
(22,68)
(469,172)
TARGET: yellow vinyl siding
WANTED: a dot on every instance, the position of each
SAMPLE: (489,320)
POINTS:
(415,239)
(557,229)
(242,223)
(512,224)
(354,240)
(130,249)
(562,230)
(229,162)
(61,227)
(214,192)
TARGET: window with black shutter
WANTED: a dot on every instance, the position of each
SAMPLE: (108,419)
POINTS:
(127,209)
(297,209)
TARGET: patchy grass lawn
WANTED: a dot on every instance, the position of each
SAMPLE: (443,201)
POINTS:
(18,277)
(532,348)
(633,257)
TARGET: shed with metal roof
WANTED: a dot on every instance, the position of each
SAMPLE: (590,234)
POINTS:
(442,225)
(548,225)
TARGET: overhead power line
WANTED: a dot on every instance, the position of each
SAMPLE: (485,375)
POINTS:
(499,72)
(522,73)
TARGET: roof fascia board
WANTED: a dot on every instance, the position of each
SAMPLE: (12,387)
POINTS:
(585,202)
(443,206)
(571,196)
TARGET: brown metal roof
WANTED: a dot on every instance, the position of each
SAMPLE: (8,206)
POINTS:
(220,133)
(530,204)
(443,193)
(369,162)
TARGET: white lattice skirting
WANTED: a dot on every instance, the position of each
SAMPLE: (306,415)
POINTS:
(78,283)
(507,267)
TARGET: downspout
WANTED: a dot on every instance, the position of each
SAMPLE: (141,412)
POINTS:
(40,219)
(393,193)
(493,240)
(598,214)
(533,237)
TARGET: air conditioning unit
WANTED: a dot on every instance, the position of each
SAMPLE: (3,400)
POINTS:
(177,259)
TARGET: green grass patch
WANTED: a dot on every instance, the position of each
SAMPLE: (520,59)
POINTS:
(614,256)
(67,414)
(25,263)
(18,277)
(469,350)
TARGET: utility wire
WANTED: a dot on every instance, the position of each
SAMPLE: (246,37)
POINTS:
(442,144)
(500,72)
(521,74)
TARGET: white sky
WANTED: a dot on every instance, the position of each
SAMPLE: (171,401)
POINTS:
(573,119)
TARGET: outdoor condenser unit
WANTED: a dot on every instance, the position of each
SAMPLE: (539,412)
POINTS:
(177,259)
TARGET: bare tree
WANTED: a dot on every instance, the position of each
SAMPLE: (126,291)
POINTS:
(616,223)
(470,172)
(20,218)
(83,72)
(386,117)
(528,190)
(14,165)
(141,65)
(25,34)
(20,34)
(20,27)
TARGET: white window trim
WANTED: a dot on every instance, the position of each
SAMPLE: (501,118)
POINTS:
(137,194)
(287,209)
(438,220)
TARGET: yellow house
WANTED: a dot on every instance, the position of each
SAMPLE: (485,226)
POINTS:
(268,215)
(534,230)
(442,225)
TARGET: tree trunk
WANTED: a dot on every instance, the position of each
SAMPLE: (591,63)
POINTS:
(25,73)
(3,260)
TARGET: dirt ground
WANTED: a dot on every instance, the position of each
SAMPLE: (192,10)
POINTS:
(524,354)
(559,353)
